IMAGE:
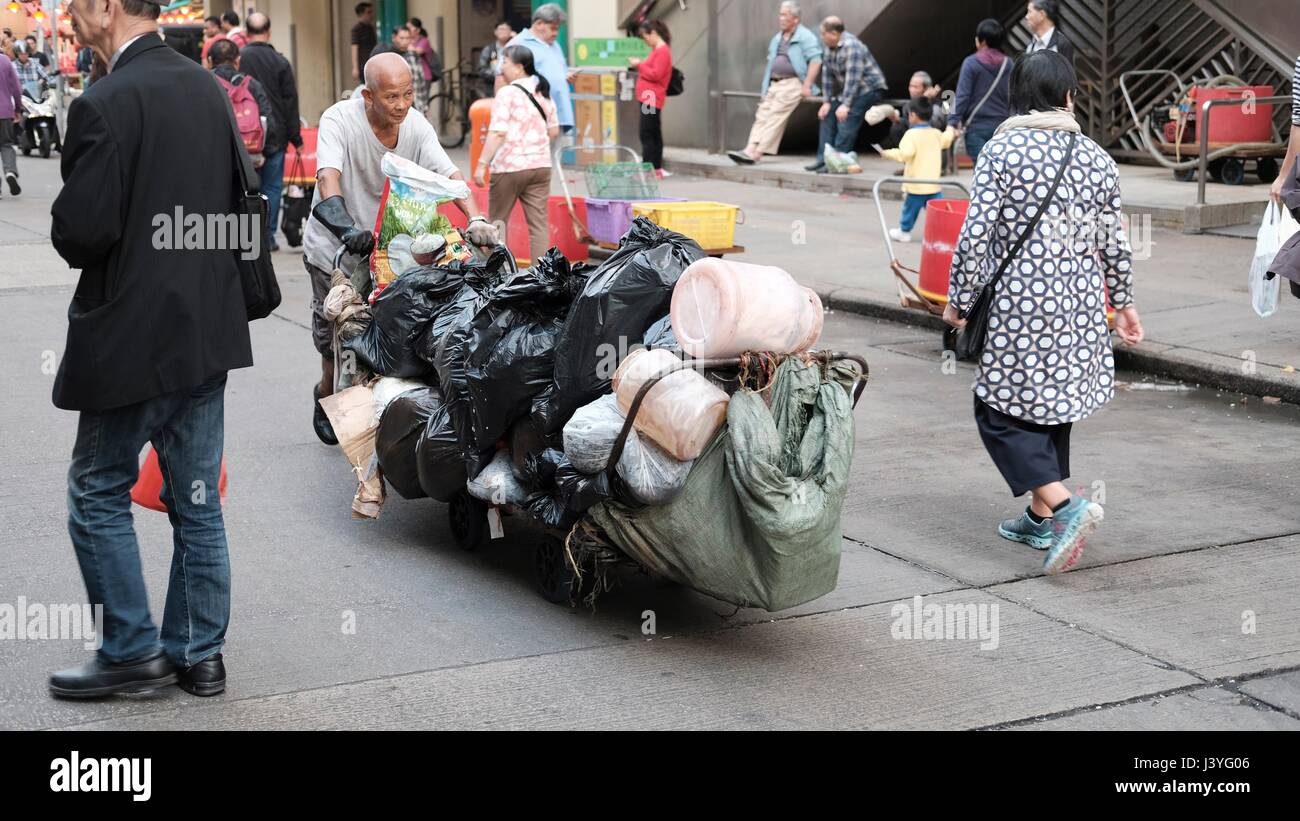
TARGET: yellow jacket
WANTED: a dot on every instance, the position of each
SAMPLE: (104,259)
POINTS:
(921,152)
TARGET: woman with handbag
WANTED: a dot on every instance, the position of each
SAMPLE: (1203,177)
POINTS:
(518,148)
(652,75)
(983,88)
(1042,246)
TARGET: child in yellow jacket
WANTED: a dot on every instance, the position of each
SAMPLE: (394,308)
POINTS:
(921,152)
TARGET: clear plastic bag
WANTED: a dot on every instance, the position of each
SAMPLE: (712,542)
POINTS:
(840,162)
(589,436)
(1264,291)
(652,474)
(497,484)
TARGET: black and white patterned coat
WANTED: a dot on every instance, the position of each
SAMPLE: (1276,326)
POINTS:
(1048,355)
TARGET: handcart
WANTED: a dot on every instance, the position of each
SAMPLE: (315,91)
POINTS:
(1180,136)
(910,294)
(614,181)
(562,577)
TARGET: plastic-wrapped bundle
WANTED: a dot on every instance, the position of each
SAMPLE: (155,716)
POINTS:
(622,298)
(496,484)
(649,473)
(589,436)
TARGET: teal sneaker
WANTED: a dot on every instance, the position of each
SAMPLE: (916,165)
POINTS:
(1023,530)
(1071,526)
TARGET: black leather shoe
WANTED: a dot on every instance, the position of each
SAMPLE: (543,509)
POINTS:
(96,679)
(320,422)
(207,678)
(817,166)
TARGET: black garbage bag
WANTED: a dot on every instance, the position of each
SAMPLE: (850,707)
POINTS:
(563,492)
(512,352)
(477,279)
(438,461)
(401,313)
(525,440)
(400,429)
(498,353)
(621,299)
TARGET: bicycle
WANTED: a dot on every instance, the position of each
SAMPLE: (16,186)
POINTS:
(461,86)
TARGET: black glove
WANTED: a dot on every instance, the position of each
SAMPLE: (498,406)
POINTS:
(333,214)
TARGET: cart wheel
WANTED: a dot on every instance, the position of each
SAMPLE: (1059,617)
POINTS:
(467,517)
(555,579)
(1233,172)
(1267,169)
(1185,175)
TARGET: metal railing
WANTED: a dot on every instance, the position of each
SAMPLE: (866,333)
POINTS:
(1203,127)
(720,112)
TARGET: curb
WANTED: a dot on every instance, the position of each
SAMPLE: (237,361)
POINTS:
(1148,362)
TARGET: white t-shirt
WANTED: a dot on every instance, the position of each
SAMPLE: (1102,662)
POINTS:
(347,143)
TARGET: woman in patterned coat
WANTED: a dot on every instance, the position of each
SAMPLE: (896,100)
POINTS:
(1047,362)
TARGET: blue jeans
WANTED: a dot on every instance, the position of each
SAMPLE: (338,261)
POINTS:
(975,141)
(842,136)
(187,430)
(272,172)
(912,205)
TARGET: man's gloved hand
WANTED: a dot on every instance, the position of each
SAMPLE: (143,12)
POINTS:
(333,214)
(482,233)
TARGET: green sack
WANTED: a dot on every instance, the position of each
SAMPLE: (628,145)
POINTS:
(758,522)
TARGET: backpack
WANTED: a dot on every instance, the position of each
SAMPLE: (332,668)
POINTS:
(247,115)
(676,83)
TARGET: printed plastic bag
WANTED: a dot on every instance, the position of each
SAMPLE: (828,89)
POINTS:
(497,484)
(1264,290)
(409,209)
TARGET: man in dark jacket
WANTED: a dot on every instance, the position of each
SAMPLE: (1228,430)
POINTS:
(262,62)
(224,55)
(156,321)
(1043,17)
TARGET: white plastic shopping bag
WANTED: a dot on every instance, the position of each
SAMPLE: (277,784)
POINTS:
(1264,292)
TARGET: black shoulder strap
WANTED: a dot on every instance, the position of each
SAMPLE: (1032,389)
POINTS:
(531,99)
(1033,223)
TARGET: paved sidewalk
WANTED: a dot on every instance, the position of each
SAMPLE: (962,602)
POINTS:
(1191,289)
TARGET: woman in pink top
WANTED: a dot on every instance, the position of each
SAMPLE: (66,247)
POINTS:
(518,148)
(652,76)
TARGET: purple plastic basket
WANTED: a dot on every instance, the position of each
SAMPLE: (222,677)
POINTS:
(608,220)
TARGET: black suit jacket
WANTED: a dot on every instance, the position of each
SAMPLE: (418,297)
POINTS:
(269,67)
(149,138)
(1062,44)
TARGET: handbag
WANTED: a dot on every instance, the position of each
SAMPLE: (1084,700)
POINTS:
(968,342)
(257,275)
(676,83)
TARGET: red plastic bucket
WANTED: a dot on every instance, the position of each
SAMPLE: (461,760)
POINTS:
(148,487)
(943,221)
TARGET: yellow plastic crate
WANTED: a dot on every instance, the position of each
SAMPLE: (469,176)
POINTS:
(711,224)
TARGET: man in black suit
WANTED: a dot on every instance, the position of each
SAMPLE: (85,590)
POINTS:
(1043,19)
(156,321)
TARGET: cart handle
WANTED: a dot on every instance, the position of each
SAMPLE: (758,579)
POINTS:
(824,357)
(875,195)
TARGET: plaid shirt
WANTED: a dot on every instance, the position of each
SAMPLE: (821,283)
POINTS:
(31,72)
(850,70)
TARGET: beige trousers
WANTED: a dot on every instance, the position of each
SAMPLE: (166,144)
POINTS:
(774,112)
(533,188)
